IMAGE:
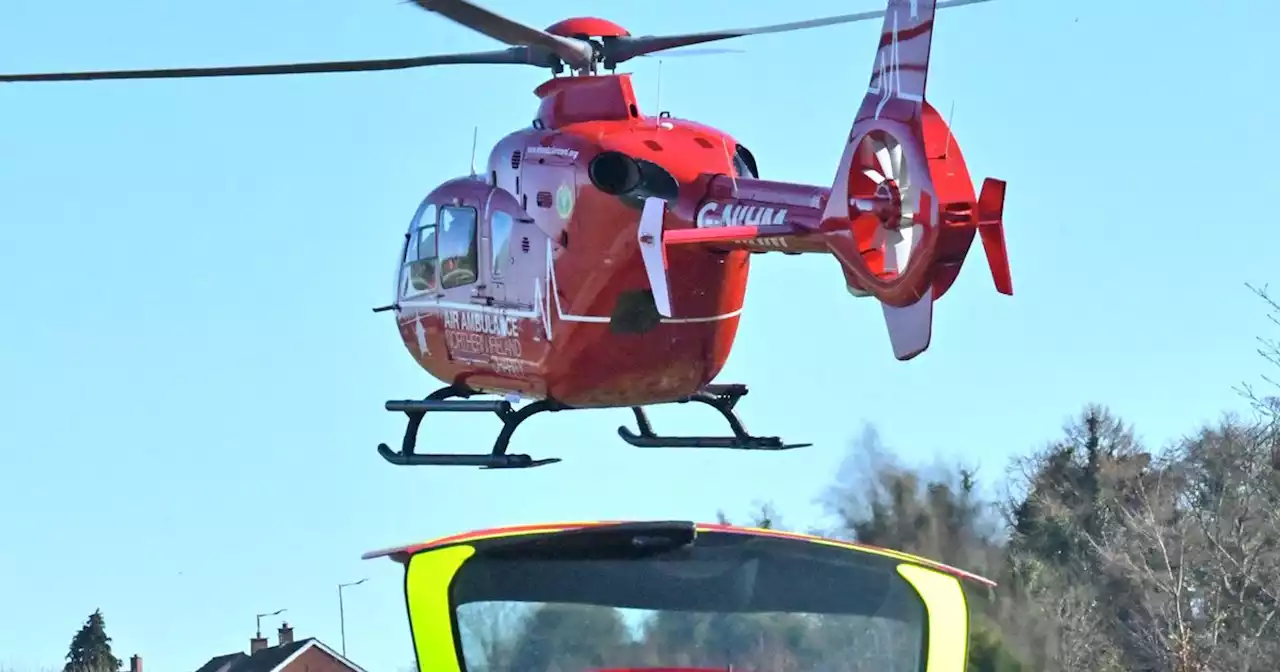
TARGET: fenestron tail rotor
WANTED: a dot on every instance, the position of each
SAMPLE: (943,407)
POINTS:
(884,187)
(897,238)
(526,46)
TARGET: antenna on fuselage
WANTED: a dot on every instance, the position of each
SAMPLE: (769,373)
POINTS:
(658,103)
(475,133)
(951,118)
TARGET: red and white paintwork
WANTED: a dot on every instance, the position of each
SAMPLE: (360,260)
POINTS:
(899,218)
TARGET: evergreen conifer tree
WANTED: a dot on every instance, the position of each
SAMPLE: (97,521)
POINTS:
(91,648)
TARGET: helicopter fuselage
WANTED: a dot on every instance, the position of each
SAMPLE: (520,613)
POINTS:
(528,279)
(601,259)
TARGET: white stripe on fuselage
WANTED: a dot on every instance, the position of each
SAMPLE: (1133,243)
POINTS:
(543,304)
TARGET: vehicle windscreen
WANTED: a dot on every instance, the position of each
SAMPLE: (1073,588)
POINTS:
(756,604)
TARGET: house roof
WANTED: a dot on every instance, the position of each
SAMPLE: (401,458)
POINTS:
(271,658)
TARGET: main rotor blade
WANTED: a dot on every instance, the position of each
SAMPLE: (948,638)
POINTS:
(518,55)
(576,53)
(622,49)
(709,51)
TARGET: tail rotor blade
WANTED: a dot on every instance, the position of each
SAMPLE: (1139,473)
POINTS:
(899,166)
(897,253)
(884,157)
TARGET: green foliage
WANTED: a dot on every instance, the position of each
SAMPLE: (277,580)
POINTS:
(988,653)
(574,637)
(90,649)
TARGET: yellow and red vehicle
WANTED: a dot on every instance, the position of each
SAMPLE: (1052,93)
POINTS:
(677,596)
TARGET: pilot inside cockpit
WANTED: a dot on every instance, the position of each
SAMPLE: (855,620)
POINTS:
(422,272)
(459,256)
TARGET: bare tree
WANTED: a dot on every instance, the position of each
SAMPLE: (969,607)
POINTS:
(489,632)
(1060,622)
(1189,556)
(763,515)
(1146,550)
(1074,493)
(1269,349)
(1232,498)
(936,512)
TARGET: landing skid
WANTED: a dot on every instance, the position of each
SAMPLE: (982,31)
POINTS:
(455,398)
(720,397)
(443,400)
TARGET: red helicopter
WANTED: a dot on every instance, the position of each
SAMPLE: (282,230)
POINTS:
(601,259)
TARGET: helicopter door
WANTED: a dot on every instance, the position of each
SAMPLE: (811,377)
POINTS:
(498,255)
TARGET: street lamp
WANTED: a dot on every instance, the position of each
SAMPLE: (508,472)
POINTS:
(277,612)
(342,613)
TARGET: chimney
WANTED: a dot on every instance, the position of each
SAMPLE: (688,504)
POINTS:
(135,663)
(286,634)
(257,644)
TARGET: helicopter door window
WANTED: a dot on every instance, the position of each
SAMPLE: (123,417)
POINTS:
(459,255)
(420,253)
(500,225)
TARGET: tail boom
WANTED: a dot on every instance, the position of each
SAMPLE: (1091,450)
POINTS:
(755,215)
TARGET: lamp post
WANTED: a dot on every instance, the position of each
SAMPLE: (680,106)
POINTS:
(342,613)
(277,612)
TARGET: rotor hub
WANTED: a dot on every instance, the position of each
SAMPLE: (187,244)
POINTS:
(886,204)
(576,27)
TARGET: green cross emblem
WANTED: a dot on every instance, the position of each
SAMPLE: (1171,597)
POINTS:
(564,201)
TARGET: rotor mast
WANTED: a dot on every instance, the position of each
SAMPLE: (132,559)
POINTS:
(592,31)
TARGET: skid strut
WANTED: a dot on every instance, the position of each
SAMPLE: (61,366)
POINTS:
(454,399)
(446,400)
(720,397)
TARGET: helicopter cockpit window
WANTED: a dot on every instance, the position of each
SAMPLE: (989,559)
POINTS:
(500,225)
(420,253)
(459,257)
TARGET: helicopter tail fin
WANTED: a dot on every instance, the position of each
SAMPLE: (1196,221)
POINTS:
(880,219)
(902,213)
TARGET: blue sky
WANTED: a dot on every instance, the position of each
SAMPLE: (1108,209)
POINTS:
(193,382)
